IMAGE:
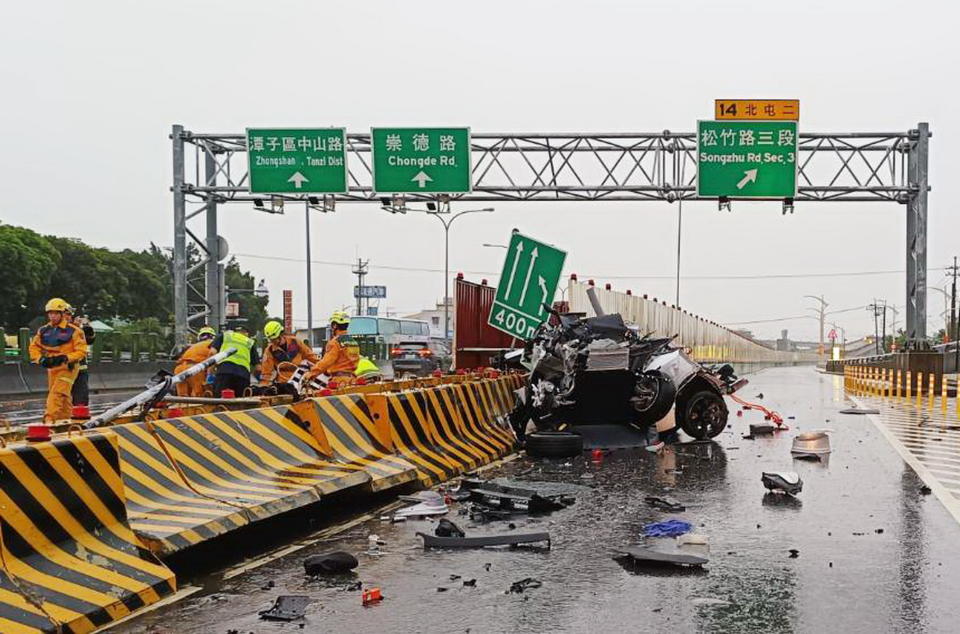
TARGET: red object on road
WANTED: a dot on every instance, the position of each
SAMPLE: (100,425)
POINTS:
(228,393)
(596,455)
(174,412)
(38,433)
(80,412)
(371,596)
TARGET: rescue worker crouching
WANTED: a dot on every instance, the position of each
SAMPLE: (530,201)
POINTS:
(60,347)
(234,372)
(341,354)
(197,353)
(368,370)
(282,355)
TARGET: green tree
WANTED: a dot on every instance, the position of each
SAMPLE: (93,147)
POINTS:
(252,308)
(28,261)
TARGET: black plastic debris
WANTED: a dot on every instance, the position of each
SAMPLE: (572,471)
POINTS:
(334,562)
(287,607)
(794,553)
(519,587)
(857,410)
(353,587)
(454,577)
(441,589)
(665,504)
(446,528)
(470,583)
(649,556)
(785,481)
(761,429)
(925,490)
(503,497)
(513,539)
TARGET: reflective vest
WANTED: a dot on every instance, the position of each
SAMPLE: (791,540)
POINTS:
(366,367)
(242,343)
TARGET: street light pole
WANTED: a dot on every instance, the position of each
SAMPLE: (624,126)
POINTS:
(439,215)
(306,211)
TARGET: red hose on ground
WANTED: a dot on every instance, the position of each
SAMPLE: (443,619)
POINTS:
(769,414)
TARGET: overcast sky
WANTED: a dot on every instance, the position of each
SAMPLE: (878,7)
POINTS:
(92,88)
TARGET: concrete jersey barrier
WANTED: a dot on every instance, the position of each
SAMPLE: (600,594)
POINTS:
(82,517)
(67,546)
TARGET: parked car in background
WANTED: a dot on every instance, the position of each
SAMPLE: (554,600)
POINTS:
(417,358)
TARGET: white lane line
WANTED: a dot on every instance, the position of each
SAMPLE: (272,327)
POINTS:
(946,497)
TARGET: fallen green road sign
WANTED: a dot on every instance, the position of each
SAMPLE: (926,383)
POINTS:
(747,159)
(529,279)
(297,161)
(421,160)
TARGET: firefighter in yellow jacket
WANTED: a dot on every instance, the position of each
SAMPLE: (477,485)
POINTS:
(60,347)
(197,353)
(282,355)
(341,354)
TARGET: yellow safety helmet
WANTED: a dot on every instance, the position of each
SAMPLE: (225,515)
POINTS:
(273,329)
(206,331)
(341,318)
(58,305)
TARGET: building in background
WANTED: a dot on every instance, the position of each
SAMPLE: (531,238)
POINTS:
(434,317)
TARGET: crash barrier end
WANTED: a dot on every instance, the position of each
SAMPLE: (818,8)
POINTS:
(70,560)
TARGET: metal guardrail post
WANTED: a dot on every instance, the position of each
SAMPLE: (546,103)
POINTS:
(152,345)
(98,348)
(115,342)
(135,346)
(23,339)
(3,345)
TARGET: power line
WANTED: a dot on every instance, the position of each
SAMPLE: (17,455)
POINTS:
(770,321)
(767,276)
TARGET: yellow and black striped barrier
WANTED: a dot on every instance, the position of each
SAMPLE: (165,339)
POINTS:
(70,559)
(83,517)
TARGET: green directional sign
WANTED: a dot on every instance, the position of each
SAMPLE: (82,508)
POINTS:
(297,161)
(747,159)
(421,160)
(529,279)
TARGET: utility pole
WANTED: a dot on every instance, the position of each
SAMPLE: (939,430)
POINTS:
(954,317)
(883,329)
(822,310)
(360,270)
(875,307)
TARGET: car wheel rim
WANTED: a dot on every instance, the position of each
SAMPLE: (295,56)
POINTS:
(705,415)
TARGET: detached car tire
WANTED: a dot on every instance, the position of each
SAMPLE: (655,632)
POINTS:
(553,444)
(702,415)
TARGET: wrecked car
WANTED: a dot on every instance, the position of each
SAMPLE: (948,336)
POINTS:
(586,370)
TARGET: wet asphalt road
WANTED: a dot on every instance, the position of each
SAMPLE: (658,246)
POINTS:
(874,554)
(29,409)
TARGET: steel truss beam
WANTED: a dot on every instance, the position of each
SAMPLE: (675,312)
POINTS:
(832,167)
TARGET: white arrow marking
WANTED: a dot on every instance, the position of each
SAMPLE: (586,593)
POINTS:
(513,273)
(422,179)
(543,287)
(298,180)
(533,260)
(749,176)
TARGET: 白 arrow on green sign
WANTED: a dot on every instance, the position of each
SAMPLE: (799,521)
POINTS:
(747,159)
(421,160)
(297,161)
(531,272)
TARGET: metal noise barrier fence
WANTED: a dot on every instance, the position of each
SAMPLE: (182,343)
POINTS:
(707,340)
(84,517)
